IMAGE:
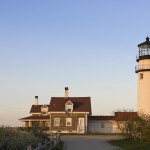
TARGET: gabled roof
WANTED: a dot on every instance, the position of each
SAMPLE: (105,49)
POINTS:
(80,104)
(69,103)
(45,106)
(36,118)
(36,108)
(101,118)
(125,116)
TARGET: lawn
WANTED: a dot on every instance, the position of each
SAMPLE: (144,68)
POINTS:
(131,145)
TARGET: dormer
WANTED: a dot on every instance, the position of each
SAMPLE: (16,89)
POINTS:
(44,109)
(69,107)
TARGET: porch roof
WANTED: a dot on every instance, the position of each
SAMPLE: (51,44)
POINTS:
(36,108)
(36,118)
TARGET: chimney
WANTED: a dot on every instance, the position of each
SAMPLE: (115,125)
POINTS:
(36,100)
(66,92)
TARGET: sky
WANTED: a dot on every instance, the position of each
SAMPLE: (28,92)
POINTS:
(89,46)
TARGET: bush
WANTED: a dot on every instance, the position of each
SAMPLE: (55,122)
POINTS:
(137,128)
(59,146)
(36,131)
(13,139)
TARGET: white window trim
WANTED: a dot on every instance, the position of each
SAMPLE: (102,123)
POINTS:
(70,119)
(47,124)
(69,106)
(58,122)
(44,109)
(81,119)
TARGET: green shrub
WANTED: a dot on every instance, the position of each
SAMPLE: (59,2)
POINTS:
(136,128)
(13,139)
(59,146)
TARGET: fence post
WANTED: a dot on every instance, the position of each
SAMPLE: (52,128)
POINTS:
(29,147)
(39,145)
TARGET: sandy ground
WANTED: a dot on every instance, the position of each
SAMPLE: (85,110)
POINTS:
(93,142)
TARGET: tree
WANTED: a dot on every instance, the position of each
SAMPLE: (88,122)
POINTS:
(133,125)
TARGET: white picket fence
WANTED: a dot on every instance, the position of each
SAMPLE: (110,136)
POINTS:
(54,139)
(40,146)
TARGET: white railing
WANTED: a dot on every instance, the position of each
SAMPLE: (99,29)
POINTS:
(54,139)
(142,67)
(80,129)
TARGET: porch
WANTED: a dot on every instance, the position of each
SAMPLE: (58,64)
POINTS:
(36,123)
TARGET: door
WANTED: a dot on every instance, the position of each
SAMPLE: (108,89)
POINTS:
(81,125)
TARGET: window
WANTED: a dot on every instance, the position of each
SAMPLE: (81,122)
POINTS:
(69,110)
(81,121)
(68,121)
(56,121)
(69,107)
(102,125)
(141,76)
(44,113)
(47,124)
(44,110)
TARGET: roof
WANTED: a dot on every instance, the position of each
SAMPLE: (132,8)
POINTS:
(147,42)
(36,108)
(119,116)
(101,118)
(125,116)
(36,118)
(80,104)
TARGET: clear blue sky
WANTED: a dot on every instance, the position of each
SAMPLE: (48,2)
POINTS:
(89,46)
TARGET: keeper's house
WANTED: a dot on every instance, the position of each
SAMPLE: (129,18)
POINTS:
(71,115)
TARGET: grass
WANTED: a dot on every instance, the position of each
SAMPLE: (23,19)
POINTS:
(131,145)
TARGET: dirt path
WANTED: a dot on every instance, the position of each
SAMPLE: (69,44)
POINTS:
(98,142)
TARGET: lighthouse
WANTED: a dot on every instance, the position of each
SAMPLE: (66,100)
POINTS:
(143,77)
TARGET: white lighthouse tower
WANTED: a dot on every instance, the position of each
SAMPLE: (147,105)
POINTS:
(143,77)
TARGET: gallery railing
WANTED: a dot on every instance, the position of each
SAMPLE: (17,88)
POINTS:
(142,67)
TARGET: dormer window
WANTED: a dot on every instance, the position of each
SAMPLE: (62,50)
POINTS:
(44,113)
(69,107)
(69,110)
(44,109)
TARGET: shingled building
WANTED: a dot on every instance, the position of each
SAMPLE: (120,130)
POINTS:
(72,115)
(64,114)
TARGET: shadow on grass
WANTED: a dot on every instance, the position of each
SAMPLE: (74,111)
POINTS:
(131,145)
